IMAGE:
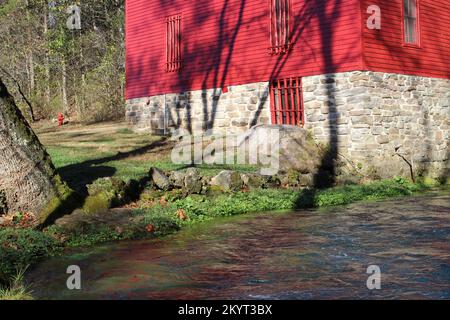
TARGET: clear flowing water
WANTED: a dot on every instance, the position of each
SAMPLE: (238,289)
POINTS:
(317,254)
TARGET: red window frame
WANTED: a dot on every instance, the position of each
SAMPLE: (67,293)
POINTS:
(286,102)
(173,43)
(411,36)
(280,26)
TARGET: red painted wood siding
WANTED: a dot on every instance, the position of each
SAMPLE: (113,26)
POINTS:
(226,42)
(384,50)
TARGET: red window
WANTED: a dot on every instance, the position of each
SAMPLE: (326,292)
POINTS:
(280,26)
(411,23)
(173,43)
(286,102)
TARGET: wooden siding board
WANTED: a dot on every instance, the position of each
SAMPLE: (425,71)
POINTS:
(208,31)
(383,50)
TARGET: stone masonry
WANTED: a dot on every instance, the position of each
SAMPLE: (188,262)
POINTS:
(383,123)
(232,112)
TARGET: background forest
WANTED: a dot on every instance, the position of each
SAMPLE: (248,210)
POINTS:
(50,68)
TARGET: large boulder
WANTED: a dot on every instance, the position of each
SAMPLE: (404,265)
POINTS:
(306,180)
(296,150)
(228,181)
(160,179)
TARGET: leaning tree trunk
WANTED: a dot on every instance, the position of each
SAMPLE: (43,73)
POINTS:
(28,178)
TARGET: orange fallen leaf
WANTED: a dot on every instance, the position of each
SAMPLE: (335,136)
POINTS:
(163,202)
(150,228)
(181,214)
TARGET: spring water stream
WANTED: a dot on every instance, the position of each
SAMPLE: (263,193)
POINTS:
(312,254)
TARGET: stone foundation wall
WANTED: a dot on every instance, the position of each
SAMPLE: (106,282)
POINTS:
(234,111)
(382,121)
(379,121)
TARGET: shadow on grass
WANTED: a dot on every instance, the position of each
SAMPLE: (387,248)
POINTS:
(78,176)
(81,174)
(305,199)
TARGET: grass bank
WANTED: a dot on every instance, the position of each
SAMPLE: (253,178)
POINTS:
(162,213)
(83,154)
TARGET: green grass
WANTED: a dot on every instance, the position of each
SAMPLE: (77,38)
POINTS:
(20,248)
(16,290)
(202,208)
(125,131)
(82,154)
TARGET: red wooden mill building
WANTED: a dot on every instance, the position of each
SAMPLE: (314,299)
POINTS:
(370,75)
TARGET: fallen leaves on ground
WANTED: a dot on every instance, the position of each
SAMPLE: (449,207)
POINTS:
(163,201)
(19,220)
(181,214)
(150,228)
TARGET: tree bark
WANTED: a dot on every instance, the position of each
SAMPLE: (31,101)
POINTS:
(28,178)
(22,94)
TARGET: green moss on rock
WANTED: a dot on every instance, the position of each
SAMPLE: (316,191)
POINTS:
(106,193)
(64,201)
(100,202)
